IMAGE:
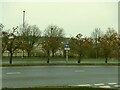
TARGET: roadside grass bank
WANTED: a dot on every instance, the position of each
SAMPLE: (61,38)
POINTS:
(59,88)
(41,61)
(59,64)
(55,58)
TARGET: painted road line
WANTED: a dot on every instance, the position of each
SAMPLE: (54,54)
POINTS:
(13,73)
(112,83)
(98,84)
(79,70)
(84,85)
(105,86)
(117,86)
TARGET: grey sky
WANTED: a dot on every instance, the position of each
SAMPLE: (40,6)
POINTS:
(75,17)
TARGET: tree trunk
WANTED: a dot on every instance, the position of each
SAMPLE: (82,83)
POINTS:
(79,61)
(48,56)
(23,53)
(53,53)
(118,56)
(106,60)
(11,54)
(29,54)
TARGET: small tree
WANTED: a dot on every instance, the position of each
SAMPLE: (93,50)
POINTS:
(107,43)
(30,36)
(79,46)
(11,42)
(1,28)
(53,36)
(95,35)
(4,40)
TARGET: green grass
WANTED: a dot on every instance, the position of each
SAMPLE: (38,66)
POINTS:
(58,88)
(55,63)
(50,64)
(51,58)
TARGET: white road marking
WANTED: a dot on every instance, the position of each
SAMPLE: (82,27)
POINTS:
(116,85)
(112,83)
(98,84)
(13,73)
(105,86)
(101,85)
(79,70)
(83,85)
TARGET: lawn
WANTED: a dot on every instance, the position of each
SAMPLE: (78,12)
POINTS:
(59,88)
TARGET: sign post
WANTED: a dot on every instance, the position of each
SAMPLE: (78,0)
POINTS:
(67,49)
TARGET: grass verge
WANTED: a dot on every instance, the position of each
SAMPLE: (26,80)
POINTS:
(59,88)
(57,64)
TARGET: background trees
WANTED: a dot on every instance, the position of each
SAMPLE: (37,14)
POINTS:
(28,38)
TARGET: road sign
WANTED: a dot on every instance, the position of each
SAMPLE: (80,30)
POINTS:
(67,46)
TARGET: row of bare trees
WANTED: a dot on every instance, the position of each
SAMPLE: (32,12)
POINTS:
(100,45)
(27,38)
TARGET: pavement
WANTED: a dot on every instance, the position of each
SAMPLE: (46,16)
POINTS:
(34,76)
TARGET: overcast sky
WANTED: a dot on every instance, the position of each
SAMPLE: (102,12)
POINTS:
(73,17)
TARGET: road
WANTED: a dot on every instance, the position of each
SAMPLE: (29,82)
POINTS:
(32,76)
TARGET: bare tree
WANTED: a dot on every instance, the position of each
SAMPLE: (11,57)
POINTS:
(4,40)
(107,43)
(80,45)
(1,28)
(11,42)
(95,35)
(53,36)
(30,36)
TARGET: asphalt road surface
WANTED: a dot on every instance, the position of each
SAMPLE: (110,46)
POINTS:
(33,76)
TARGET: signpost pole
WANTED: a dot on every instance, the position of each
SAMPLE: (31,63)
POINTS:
(67,49)
(66,56)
